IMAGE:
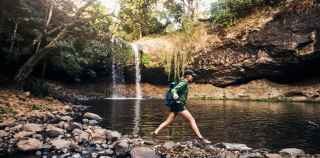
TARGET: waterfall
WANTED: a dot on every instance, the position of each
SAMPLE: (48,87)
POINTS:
(135,49)
(117,78)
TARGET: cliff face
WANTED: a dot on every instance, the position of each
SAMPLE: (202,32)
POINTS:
(286,48)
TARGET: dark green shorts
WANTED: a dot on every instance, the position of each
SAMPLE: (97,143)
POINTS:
(177,108)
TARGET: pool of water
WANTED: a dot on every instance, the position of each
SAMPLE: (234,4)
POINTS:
(257,124)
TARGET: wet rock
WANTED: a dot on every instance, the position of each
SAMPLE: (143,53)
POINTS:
(233,146)
(60,143)
(32,127)
(291,152)
(92,116)
(29,144)
(142,152)
(113,135)
(122,147)
(54,131)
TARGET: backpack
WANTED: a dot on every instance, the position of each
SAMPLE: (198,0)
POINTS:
(169,101)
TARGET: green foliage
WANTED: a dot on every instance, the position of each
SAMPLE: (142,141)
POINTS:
(137,20)
(226,12)
(145,59)
(6,110)
(40,107)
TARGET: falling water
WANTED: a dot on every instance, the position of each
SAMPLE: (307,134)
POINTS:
(117,78)
(114,80)
(135,49)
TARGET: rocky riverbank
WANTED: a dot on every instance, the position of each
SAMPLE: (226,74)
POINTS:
(50,128)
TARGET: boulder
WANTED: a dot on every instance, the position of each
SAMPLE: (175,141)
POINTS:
(291,152)
(60,143)
(66,118)
(143,152)
(23,134)
(80,136)
(32,127)
(29,144)
(92,116)
(98,135)
(54,131)
(272,155)
(3,133)
(113,135)
(122,147)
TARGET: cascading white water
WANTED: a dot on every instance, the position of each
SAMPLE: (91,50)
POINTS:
(114,80)
(135,49)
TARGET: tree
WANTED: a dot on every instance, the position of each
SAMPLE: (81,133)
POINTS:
(135,18)
(28,66)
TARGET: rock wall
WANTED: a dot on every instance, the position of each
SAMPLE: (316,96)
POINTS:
(286,48)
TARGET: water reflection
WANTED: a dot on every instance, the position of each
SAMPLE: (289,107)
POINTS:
(270,125)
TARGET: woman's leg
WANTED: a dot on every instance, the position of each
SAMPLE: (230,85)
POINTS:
(187,115)
(166,123)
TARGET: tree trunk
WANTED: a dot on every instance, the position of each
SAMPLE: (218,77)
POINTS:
(13,37)
(28,66)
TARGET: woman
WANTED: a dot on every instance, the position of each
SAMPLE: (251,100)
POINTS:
(180,94)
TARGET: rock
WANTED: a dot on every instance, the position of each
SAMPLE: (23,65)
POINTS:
(233,146)
(109,152)
(122,147)
(98,135)
(63,125)
(38,153)
(92,116)
(54,131)
(251,155)
(74,125)
(66,118)
(169,144)
(272,155)
(93,122)
(60,143)
(143,152)
(85,121)
(23,134)
(80,136)
(77,155)
(6,124)
(292,152)
(113,135)
(32,127)
(3,133)
(148,142)
(29,144)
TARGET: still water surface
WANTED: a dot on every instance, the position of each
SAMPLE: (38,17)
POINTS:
(257,124)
